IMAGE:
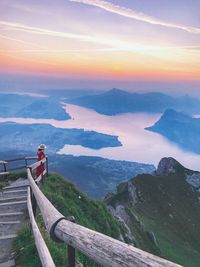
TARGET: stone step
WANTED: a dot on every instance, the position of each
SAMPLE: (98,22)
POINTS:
(6,243)
(13,216)
(4,199)
(9,228)
(14,193)
(15,187)
(13,206)
(19,181)
(10,263)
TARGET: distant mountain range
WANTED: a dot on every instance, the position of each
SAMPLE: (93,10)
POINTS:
(23,106)
(117,101)
(27,137)
(160,212)
(179,128)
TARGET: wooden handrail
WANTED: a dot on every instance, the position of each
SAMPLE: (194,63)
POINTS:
(4,173)
(37,164)
(104,250)
(19,159)
(46,208)
(3,162)
(42,249)
(7,169)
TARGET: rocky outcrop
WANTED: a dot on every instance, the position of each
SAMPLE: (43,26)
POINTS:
(167,166)
(194,179)
(119,212)
(132,193)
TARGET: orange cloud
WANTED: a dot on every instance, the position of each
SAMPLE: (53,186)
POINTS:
(106,69)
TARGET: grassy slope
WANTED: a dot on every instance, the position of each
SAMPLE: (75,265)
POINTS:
(69,201)
(169,208)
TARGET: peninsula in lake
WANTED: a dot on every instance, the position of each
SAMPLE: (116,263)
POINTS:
(118,101)
(179,128)
(28,136)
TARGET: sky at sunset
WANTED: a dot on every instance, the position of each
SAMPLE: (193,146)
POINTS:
(95,43)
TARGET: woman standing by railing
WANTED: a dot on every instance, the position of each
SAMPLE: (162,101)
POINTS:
(41,156)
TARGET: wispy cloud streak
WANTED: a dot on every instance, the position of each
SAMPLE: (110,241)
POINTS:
(133,14)
(19,41)
(113,45)
(135,48)
(41,31)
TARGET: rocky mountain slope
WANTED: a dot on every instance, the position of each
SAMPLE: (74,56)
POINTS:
(160,213)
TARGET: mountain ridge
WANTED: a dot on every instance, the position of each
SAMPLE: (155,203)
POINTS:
(116,101)
(155,211)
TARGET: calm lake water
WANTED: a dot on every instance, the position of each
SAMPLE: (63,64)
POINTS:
(138,144)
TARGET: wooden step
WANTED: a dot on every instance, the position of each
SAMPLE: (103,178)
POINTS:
(9,228)
(15,187)
(12,199)
(13,206)
(14,193)
(9,263)
(12,216)
(6,243)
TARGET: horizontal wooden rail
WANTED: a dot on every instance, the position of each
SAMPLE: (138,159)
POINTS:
(4,173)
(20,159)
(102,249)
(42,249)
(37,164)
(7,168)
(44,204)
(39,178)
(17,168)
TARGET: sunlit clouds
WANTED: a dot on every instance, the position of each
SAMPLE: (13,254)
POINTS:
(96,39)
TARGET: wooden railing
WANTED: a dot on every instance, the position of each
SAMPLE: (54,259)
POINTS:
(10,165)
(101,248)
(42,249)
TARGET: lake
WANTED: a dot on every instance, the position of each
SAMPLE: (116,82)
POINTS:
(138,144)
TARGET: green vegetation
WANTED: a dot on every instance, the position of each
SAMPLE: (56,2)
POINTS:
(69,201)
(165,218)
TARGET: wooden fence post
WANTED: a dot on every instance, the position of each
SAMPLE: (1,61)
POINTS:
(47,167)
(42,176)
(34,203)
(4,165)
(71,252)
(26,162)
(33,200)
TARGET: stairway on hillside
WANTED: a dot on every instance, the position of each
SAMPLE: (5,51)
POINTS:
(13,204)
